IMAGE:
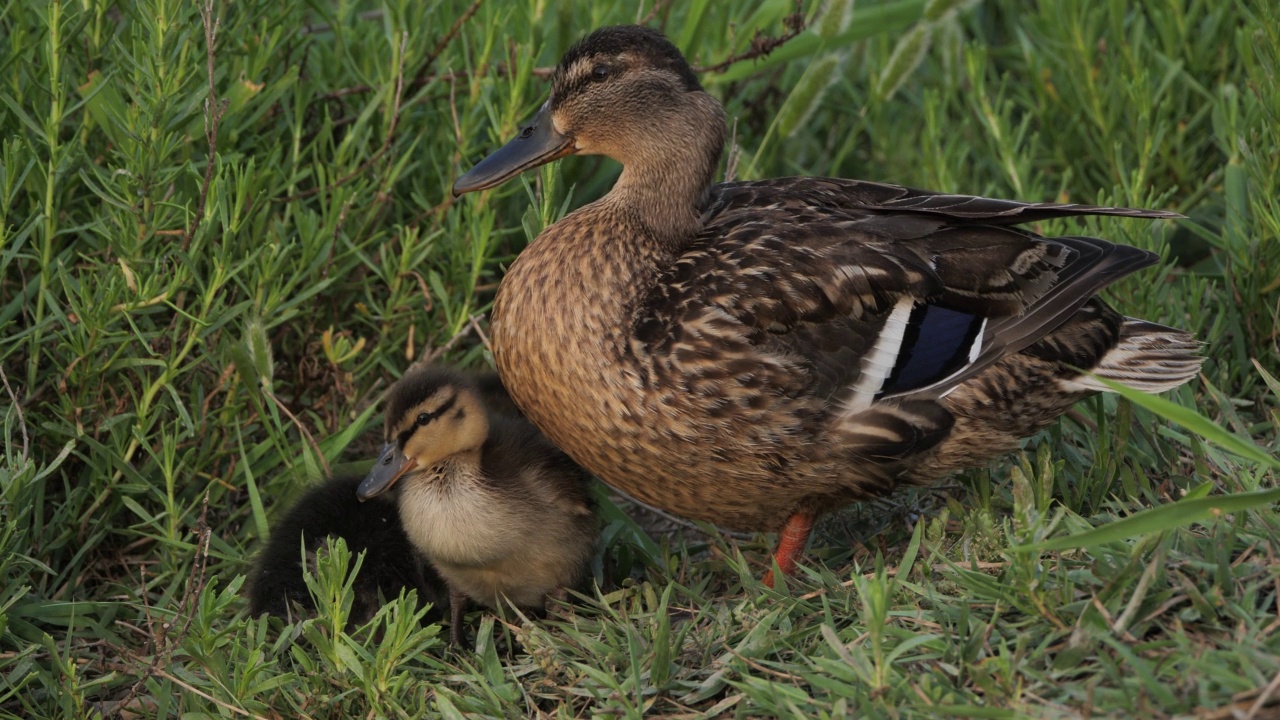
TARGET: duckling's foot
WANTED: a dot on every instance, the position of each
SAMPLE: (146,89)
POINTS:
(457,609)
(791,543)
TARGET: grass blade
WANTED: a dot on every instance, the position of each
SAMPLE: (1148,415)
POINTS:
(1178,514)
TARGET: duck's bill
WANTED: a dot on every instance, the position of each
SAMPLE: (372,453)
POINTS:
(538,144)
(391,465)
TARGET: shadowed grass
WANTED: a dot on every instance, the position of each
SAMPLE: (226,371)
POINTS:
(206,282)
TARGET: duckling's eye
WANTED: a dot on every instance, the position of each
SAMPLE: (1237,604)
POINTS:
(600,72)
(424,418)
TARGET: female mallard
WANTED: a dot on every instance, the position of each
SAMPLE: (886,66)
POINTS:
(755,353)
(498,511)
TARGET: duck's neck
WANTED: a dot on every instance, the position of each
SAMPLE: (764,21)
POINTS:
(663,182)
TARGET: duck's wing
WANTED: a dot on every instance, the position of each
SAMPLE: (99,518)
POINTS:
(888,198)
(859,292)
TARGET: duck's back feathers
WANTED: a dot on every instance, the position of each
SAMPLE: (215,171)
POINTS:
(875,290)
(859,307)
(899,199)
(330,509)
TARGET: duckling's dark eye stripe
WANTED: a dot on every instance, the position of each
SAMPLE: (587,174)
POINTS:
(425,419)
(403,437)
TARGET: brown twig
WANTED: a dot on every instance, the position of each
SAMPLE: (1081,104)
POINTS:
(422,285)
(302,429)
(223,379)
(151,647)
(431,356)
(326,27)
(447,39)
(484,339)
(770,671)
(158,638)
(213,110)
(658,7)
(1082,420)
(22,421)
(893,572)
(386,140)
(1264,698)
(452,76)
(420,78)
(761,45)
(206,696)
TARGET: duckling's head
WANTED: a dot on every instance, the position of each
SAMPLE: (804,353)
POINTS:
(432,414)
(625,92)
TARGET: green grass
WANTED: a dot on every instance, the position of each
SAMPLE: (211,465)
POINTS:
(192,333)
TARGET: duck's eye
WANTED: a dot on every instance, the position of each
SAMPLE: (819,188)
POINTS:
(600,72)
(424,418)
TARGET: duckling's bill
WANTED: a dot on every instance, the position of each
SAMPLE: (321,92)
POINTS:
(538,144)
(391,465)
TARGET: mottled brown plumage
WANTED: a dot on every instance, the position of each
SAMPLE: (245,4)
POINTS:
(749,352)
(499,512)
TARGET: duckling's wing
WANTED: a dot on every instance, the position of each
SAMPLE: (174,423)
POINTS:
(330,509)
(858,292)
(516,453)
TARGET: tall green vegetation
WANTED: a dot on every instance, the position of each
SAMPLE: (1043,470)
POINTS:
(226,226)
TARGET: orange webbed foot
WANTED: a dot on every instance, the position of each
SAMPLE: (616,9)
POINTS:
(791,543)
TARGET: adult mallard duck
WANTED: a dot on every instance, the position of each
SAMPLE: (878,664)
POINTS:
(755,353)
(498,511)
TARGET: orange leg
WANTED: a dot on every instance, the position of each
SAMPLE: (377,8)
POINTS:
(791,542)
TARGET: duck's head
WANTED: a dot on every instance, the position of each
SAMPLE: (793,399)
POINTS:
(625,92)
(432,414)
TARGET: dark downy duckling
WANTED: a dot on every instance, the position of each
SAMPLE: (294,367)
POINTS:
(499,511)
(331,509)
(756,353)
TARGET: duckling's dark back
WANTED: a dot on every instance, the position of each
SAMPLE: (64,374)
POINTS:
(495,396)
(331,510)
(514,446)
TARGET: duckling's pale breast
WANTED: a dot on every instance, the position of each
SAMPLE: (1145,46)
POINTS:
(490,542)
(700,444)
(448,514)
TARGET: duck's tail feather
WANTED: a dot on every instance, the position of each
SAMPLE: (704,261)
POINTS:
(1148,357)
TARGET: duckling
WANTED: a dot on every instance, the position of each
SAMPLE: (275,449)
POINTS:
(756,353)
(500,512)
(330,509)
